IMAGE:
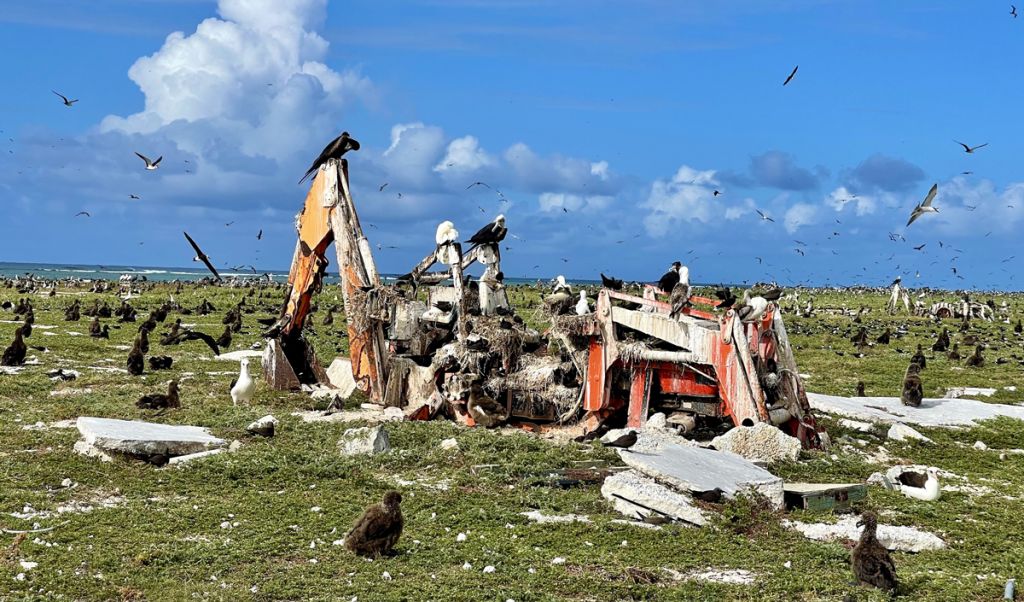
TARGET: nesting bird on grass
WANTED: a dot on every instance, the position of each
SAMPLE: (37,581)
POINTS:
(160,362)
(913,390)
(136,360)
(976,360)
(954,353)
(244,387)
(378,529)
(928,491)
(870,560)
(14,355)
(918,358)
(160,401)
(224,341)
(860,389)
(942,343)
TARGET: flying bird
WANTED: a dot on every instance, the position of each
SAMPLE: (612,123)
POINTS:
(791,74)
(1013,11)
(764,217)
(200,256)
(134,196)
(970,149)
(382,187)
(477,184)
(920,247)
(150,165)
(259,235)
(85,213)
(925,206)
(337,147)
(67,103)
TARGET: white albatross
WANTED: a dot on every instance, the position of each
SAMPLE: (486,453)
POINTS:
(929,493)
(245,386)
(582,306)
(150,165)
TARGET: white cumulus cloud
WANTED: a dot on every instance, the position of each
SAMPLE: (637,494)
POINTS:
(688,195)
(800,215)
(464,154)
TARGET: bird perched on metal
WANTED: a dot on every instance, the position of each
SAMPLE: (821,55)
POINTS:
(679,299)
(582,306)
(14,355)
(150,165)
(725,297)
(200,256)
(925,206)
(611,283)
(337,147)
(750,309)
(243,388)
(159,401)
(378,529)
(485,411)
(913,390)
(668,281)
(492,233)
(624,441)
(870,560)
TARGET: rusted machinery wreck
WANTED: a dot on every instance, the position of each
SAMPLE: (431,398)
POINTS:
(460,350)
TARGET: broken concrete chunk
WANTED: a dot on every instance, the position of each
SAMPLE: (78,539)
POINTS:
(394,414)
(364,440)
(958,392)
(624,488)
(264,426)
(91,451)
(932,412)
(904,539)
(179,461)
(980,446)
(138,438)
(902,432)
(657,421)
(864,427)
(762,442)
(685,467)
(340,376)
(539,517)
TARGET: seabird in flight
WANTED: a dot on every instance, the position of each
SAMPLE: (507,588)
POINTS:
(764,217)
(970,149)
(67,103)
(791,75)
(925,206)
(85,213)
(150,165)
(200,256)
(338,147)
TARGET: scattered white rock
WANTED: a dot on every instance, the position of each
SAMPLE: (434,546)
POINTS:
(958,392)
(980,446)
(857,425)
(904,539)
(28,566)
(393,414)
(179,461)
(902,432)
(489,568)
(364,440)
(762,442)
(460,537)
(265,426)
(339,374)
(538,517)
(558,560)
(657,421)
(450,444)
(729,576)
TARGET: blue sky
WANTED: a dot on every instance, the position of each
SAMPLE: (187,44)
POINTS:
(607,126)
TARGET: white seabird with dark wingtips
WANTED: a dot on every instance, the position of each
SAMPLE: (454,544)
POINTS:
(150,165)
(925,206)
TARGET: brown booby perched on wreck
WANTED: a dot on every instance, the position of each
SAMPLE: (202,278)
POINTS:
(337,147)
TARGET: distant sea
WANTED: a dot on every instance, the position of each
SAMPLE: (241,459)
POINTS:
(55,271)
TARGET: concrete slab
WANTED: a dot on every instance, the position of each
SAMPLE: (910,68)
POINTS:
(904,539)
(933,412)
(145,438)
(689,468)
(179,461)
(237,356)
(340,375)
(631,486)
